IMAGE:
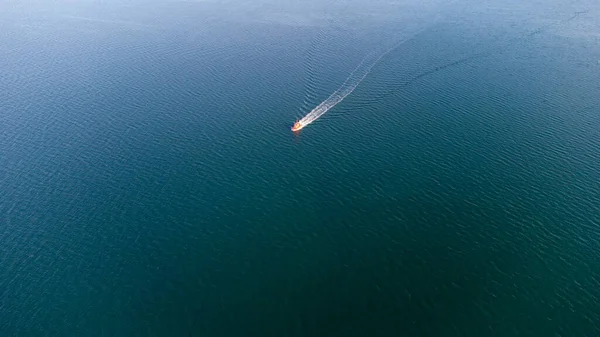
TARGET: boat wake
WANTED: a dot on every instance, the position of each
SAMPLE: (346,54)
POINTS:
(354,79)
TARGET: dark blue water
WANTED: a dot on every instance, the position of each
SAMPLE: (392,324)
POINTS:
(150,185)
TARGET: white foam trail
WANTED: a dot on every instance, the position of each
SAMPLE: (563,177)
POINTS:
(357,76)
(337,96)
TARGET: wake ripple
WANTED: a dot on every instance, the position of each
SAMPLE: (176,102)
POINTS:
(351,83)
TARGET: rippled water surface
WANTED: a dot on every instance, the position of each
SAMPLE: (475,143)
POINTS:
(150,184)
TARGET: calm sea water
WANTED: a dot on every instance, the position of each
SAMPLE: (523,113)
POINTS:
(150,185)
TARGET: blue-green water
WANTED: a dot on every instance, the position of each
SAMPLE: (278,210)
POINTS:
(150,185)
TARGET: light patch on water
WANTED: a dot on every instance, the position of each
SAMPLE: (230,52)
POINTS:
(123,23)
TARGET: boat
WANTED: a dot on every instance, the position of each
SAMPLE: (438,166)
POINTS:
(297,126)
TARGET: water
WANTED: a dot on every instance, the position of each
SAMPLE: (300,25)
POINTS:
(149,183)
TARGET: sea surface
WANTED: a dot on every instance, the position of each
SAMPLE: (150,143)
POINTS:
(150,184)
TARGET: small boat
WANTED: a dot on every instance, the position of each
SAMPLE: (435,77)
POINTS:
(297,126)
